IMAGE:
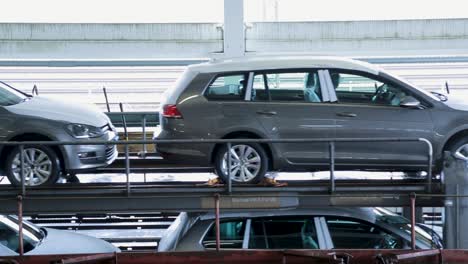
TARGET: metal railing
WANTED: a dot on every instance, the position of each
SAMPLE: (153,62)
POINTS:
(228,142)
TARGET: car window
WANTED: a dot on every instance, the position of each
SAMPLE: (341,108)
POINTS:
(231,234)
(289,86)
(9,96)
(228,87)
(9,235)
(353,88)
(398,221)
(351,233)
(291,232)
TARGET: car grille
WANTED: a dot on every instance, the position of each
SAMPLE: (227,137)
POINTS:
(110,151)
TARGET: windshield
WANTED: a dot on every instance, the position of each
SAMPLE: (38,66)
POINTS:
(9,232)
(385,216)
(10,96)
(413,86)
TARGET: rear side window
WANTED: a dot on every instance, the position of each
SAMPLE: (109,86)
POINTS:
(287,87)
(228,87)
(232,235)
(292,232)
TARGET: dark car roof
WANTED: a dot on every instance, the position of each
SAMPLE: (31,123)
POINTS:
(366,214)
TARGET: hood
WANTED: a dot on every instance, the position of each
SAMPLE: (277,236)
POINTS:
(457,102)
(58,110)
(65,242)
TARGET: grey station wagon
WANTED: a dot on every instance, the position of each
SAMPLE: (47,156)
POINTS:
(27,118)
(289,97)
(315,228)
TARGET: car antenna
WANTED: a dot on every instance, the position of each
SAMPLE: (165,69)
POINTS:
(35,90)
(447,89)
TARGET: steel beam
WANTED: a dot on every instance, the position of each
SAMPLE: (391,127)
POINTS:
(92,198)
(456,205)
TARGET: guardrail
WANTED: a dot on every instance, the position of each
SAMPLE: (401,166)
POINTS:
(228,142)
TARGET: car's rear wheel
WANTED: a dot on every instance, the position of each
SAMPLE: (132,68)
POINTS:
(249,163)
(41,166)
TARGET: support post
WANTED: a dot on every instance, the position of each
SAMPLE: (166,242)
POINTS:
(413,221)
(145,150)
(229,183)
(234,32)
(127,169)
(455,175)
(331,146)
(23,184)
(217,223)
(20,225)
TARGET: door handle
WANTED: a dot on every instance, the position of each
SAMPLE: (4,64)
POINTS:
(346,114)
(268,113)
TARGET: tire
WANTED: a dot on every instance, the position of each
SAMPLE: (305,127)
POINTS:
(45,171)
(459,149)
(244,174)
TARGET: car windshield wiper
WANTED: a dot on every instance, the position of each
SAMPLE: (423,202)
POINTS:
(442,97)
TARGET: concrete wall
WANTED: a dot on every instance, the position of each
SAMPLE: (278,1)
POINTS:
(363,38)
(109,41)
(153,41)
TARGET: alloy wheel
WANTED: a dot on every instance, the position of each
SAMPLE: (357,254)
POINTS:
(245,163)
(37,167)
(462,152)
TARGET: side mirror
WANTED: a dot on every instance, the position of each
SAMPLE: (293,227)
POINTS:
(410,102)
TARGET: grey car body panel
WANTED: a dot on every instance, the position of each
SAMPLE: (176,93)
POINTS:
(76,244)
(48,117)
(210,119)
(50,109)
(53,243)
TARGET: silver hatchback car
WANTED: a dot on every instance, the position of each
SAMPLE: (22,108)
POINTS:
(288,97)
(27,118)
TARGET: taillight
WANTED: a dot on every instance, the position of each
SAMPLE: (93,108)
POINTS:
(171,111)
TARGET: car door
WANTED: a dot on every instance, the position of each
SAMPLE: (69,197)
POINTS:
(292,104)
(368,106)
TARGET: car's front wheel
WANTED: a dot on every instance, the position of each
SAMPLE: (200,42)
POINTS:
(459,149)
(249,163)
(41,166)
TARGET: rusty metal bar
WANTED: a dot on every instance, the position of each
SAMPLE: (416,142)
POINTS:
(229,183)
(413,220)
(20,225)
(217,223)
(331,146)
(23,184)
(419,254)
(90,258)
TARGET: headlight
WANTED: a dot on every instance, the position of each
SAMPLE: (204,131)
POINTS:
(83,131)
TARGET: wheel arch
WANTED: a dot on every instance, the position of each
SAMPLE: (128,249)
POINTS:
(31,137)
(246,134)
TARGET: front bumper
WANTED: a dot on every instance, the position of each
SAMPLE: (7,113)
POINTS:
(85,157)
